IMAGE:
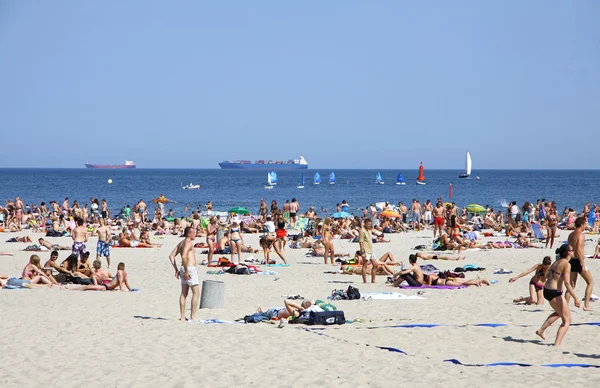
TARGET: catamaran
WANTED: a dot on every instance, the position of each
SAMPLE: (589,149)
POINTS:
(269,184)
(301,185)
(400,180)
(379,179)
(467,172)
(332,178)
(317,179)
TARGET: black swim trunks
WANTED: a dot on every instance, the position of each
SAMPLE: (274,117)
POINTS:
(575,265)
(292,214)
(106,286)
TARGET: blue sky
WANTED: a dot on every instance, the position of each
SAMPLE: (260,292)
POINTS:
(350,84)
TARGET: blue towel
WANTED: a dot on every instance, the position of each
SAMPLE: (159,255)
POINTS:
(392,349)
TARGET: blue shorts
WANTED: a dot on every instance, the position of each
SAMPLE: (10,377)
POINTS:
(78,248)
(14,282)
(103,249)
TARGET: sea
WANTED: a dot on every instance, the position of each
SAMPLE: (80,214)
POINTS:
(229,188)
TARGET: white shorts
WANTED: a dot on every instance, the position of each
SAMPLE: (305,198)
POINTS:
(427,216)
(193,280)
(370,256)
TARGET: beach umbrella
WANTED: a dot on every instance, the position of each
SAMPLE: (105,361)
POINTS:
(238,210)
(389,213)
(341,215)
(475,208)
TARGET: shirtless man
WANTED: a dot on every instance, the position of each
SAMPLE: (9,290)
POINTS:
(80,237)
(439,216)
(51,264)
(187,272)
(427,209)
(84,265)
(577,241)
(66,208)
(294,207)
(365,241)
(120,280)
(416,213)
(103,245)
(413,275)
(99,275)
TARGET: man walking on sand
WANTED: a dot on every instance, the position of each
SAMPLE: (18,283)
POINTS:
(365,240)
(187,272)
(578,267)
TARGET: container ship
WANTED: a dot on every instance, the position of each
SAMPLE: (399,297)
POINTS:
(298,164)
(128,164)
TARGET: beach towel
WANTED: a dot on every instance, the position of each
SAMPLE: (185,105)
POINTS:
(435,287)
(388,296)
(502,271)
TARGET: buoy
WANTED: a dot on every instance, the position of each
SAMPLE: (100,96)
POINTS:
(109,181)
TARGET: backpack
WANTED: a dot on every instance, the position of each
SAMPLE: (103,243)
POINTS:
(353,293)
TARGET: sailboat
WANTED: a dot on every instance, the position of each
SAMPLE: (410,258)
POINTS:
(378,179)
(317,179)
(421,177)
(301,185)
(273,178)
(269,184)
(400,180)
(467,172)
(332,178)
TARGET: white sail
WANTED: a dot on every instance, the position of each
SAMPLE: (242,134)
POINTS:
(269,179)
(468,164)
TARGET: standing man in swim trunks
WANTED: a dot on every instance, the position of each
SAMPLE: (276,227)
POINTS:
(187,272)
(416,213)
(578,267)
(365,240)
(103,245)
(294,207)
(427,208)
(439,216)
(80,237)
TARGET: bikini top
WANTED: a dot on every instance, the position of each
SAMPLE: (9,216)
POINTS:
(234,230)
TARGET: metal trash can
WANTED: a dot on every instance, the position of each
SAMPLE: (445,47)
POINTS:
(213,295)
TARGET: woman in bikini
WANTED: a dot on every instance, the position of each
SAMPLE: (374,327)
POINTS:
(552,220)
(536,284)
(236,241)
(435,280)
(33,273)
(280,232)
(211,237)
(560,274)
(328,241)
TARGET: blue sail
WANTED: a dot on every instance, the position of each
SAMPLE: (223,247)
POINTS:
(302,179)
(332,177)
(400,178)
(378,177)
(317,178)
(273,177)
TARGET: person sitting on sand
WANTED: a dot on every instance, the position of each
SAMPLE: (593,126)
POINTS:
(536,284)
(120,281)
(19,239)
(435,280)
(70,264)
(84,265)
(32,272)
(413,275)
(51,265)
(53,247)
(425,256)
(99,275)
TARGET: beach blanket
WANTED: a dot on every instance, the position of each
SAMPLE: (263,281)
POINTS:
(567,365)
(435,287)
(388,296)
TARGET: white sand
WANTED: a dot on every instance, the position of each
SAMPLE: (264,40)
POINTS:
(69,338)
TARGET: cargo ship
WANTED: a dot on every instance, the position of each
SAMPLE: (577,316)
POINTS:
(128,164)
(298,164)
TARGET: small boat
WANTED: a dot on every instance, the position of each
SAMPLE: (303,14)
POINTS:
(400,180)
(269,184)
(332,178)
(421,177)
(273,178)
(467,172)
(301,185)
(317,179)
(191,186)
(379,179)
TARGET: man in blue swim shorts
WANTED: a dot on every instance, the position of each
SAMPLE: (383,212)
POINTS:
(103,246)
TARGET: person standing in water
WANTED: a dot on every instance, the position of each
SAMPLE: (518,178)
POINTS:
(187,272)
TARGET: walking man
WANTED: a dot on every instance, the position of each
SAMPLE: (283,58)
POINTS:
(577,241)
(187,272)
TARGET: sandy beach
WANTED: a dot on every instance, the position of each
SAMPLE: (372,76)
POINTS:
(72,338)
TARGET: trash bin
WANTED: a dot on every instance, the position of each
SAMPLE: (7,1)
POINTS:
(220,235)
(213,295)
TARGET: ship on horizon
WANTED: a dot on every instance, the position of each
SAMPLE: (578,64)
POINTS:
(128,164)
(298,164)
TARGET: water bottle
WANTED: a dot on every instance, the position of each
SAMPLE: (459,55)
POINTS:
(402,266)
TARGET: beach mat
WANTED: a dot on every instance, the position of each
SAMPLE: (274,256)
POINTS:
(388,296)
(434,287)
(566,365)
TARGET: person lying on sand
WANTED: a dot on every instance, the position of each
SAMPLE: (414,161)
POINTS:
(291,309)
(53,247)
(120,281)
(382,269)
(435,280)
(124,241)
(536,284)
(425,256)
(19,239)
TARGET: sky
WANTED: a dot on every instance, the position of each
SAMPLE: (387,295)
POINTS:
(348,84)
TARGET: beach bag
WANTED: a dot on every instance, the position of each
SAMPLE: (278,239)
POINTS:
(326,318)
(353,293)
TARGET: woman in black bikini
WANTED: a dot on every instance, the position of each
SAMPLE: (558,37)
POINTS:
(552,225)
(560,273)
(435,280)
(536,284)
